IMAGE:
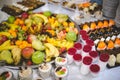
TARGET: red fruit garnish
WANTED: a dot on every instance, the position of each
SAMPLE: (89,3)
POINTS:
(63,60)
(64,31)
(24,15)
(3,38)
(63,49)
(29,63)
(7,75)
(64,70)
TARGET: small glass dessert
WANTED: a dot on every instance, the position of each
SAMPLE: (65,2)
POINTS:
(86,50)
(91,43)
(70,53)
(61,73)
(94,69)
(25,73)
(45,70)
(77,59)
(103,60)
(84,70)
(61,61)
(78,46)
(94,55)
(6,75)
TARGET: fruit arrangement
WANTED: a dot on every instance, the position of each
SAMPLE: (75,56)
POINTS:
(33,38)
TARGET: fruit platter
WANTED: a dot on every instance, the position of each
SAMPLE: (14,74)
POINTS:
(34,38)
(106,37)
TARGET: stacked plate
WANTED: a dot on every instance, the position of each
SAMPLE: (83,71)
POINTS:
(109,8)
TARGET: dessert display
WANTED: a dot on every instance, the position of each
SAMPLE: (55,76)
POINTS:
(54,44)
(106,37)
(36,37)
(6,75)
(93,9)
(23,6)
(45,70)
(25,73)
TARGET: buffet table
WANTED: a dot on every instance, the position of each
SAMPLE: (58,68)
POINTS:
(108,74)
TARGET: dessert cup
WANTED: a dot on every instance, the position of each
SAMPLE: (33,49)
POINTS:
(94,55)
(77,59)
(61,73)
(86,50)
(45,70)
(91,43)
(84,70)
(94,70)
(103,60)
(78,46)
(26,74)
(70,53)
(61,61)
(7,75)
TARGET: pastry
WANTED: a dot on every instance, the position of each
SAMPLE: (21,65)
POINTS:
(112,60)
(118,58)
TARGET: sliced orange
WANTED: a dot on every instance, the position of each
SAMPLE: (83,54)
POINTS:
(86,27)
(110,44)
(111,22)
(106,24)
(93,26)
(100,24)
(101,45)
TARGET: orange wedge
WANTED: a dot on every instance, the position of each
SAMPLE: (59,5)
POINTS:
(110,44)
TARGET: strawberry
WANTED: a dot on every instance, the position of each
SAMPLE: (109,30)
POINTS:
(7,75)
(29,63)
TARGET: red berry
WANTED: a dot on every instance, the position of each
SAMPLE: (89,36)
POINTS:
(64,70)
(63,60)
(7,75)
(29,63)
